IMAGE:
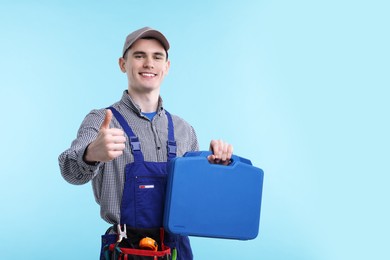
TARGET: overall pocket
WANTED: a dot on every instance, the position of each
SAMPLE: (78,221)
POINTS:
(149,200)
(144,194)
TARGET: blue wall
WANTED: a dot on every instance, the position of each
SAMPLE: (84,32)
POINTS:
(299,87)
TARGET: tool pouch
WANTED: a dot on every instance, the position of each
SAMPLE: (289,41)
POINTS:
(129,248)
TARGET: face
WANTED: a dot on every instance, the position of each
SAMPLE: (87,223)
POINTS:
(146,65)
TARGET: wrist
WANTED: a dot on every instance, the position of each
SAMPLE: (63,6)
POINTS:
(87,158)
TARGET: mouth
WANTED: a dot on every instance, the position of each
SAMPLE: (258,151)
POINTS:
(147,74)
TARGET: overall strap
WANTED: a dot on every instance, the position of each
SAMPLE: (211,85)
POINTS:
(171,143)
(134,141)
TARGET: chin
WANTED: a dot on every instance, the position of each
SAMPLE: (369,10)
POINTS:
(150,88)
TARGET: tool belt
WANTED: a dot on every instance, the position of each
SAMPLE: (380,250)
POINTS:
(136,244)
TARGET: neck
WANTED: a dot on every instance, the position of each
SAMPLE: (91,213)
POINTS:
(148,102)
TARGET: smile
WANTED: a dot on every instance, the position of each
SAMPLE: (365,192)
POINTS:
(147,75)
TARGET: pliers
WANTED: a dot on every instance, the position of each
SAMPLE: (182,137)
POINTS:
(121,233)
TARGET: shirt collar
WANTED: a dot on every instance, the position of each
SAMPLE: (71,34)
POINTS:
(128,101)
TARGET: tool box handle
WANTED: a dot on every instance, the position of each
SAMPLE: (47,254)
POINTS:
(234,159)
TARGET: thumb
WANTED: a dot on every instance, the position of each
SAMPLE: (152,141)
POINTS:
(107,120)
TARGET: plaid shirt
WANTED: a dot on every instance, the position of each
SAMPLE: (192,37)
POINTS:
(108,178)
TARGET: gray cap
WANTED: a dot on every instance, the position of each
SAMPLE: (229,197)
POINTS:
(143,33)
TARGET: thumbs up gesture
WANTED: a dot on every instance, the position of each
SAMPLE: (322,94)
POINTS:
(109,143)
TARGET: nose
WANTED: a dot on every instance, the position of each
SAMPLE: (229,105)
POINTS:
(149,63)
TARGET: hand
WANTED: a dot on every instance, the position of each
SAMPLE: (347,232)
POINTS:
(109,143)
(222,152)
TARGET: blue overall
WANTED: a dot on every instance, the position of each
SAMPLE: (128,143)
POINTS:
(143,196)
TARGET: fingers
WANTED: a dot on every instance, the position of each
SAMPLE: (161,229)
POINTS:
(109,143)
(113,138)
(107,120)
(116,143)
(222,152)
(117,134)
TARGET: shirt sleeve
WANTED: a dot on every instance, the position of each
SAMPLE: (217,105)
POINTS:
(194,140)
(72,165)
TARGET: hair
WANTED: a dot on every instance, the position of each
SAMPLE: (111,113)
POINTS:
(147,38)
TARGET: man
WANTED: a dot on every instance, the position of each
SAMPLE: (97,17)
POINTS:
(134,138)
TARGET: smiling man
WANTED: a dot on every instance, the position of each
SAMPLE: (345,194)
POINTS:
(124,149)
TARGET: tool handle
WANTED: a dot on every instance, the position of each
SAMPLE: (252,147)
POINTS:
(205,154)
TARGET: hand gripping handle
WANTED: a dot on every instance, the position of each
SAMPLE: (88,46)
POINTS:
(205,154)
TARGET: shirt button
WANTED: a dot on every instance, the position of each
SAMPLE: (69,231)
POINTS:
(78,177)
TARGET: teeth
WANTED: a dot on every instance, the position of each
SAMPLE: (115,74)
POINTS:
(148,74)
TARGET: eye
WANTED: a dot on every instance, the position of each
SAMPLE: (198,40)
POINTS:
(138,55)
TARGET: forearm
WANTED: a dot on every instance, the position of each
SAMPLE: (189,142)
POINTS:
(74,169)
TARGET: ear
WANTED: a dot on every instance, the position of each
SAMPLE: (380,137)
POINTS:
(121,63)
(167,66)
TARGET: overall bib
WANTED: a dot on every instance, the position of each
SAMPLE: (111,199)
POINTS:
(143,196)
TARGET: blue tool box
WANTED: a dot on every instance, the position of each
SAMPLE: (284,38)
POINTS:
(210,200)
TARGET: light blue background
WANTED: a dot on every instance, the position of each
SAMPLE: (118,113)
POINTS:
(299,87)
